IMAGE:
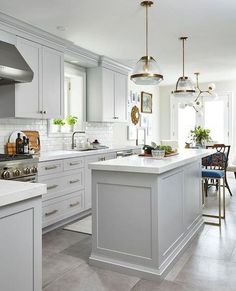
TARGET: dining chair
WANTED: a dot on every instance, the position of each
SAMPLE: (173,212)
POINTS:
(214,174)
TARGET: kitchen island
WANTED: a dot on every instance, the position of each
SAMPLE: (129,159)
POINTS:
(145,212)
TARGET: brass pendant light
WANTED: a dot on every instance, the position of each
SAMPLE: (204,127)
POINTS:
(146,71)
(184,86)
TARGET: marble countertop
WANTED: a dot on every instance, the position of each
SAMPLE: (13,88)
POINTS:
(63,154)
(12,191)
(151,165)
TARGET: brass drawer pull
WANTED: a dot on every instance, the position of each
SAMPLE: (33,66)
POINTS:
(50,167)
(52,187)
(102,159)
(74,181)
(75,163)
(51,213)
(75,204)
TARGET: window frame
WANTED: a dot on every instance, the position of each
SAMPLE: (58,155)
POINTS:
(174,101)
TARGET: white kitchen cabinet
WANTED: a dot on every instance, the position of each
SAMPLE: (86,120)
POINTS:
(107,95)
(43,97)
(88,187)
(27,95)
(21,246)
(65,189)
(52,83)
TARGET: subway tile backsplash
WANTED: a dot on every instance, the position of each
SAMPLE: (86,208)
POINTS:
(101,131)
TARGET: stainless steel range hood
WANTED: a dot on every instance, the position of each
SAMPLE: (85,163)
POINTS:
(13,67)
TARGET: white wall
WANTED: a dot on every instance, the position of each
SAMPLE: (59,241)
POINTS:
(120,129)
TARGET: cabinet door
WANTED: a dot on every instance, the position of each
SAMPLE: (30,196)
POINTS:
(28,95)
(108,79)
(53,80)
(121,97)
(21,246)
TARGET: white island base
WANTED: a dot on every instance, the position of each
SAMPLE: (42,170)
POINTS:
(142,220)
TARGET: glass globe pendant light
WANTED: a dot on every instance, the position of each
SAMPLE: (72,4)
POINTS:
(184,86)
(146,71)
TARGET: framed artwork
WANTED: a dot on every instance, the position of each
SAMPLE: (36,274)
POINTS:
(138,97)
(131,132)
(146,102)
(144,120)
(133,97)
(141,136)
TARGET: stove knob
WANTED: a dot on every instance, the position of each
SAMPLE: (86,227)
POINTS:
(16,173)
(27,171)
(34,170)
(6,174)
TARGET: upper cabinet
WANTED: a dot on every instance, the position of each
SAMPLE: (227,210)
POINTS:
(52,83)
(107,92)
(43,97)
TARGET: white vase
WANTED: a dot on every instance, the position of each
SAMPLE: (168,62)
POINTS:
(72,128)
(58,128)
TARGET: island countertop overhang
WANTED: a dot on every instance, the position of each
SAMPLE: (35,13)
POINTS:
(150,165)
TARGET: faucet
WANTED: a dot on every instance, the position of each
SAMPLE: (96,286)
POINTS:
(73,144)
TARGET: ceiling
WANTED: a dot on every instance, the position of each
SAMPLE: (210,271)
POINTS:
(115,28)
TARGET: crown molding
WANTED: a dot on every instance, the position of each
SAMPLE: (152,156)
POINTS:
(25,30)
(72,51)
(113,65)
(82,55)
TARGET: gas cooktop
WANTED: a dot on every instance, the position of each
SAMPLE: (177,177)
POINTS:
(5,157)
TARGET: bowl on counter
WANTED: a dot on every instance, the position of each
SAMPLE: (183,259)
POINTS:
(158,154)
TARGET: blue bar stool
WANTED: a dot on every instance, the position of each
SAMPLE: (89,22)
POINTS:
(214,174)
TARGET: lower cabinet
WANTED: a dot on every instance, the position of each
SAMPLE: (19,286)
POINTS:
(63,207)
(21,246)
(68,186)
(65,189)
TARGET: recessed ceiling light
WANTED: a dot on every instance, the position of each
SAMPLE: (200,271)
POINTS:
(74,62)
(61,28)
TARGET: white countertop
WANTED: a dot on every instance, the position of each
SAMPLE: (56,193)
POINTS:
(63,154)
(12,191)
(151,165)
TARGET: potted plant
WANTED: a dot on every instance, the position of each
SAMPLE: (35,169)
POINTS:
(71,121)
(59,123)
(200,136)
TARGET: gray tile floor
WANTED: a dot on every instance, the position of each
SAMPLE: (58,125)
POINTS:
(209,264)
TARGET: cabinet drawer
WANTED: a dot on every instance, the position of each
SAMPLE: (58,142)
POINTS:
(75,163)
(63,183)
(62,208)
(51,167)
(76,179)
(55,186)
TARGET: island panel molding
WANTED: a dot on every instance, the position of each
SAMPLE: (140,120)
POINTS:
(144,218)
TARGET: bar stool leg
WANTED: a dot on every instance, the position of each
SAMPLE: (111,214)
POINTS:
(223,198)
(220,206)
(203,194)
(219,191)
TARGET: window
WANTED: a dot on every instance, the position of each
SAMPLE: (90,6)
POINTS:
(216,116)
(74,98)
(75,93)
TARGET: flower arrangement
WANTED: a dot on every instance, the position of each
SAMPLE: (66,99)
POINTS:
(200,135)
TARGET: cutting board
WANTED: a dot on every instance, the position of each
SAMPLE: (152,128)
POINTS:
(166,155)
(34,139)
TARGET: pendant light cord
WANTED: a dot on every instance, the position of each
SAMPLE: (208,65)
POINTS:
(183,59)
(146,30)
